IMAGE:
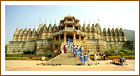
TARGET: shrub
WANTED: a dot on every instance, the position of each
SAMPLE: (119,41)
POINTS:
(16,58)
(126,57)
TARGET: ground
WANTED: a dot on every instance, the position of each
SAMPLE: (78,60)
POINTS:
(32,65)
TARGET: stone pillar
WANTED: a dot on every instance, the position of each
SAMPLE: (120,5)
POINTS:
(84,38)
(59,37)
(74,38)
(80,37)
(55,38)
(64,37)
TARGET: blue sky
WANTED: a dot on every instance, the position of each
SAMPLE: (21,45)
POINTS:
(23,16)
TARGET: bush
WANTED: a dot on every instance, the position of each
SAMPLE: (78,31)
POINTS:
(36,58)
(16,58)
(126,57)
(27,58)
(126,52)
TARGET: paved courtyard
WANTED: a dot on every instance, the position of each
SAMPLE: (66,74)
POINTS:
(31,65)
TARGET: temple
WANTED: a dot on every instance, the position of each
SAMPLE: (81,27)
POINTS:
(46,39)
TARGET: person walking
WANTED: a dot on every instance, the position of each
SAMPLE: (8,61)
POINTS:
(77,51)
(85,59)
(72,48)
(88,55)
(81,59)
(81,51)
(104,57)
(65,48)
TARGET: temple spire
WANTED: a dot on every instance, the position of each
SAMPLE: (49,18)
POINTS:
(84,21)
(40,21)
(55,21)
(50,21)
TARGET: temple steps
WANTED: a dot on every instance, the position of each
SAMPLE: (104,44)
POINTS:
(66,59)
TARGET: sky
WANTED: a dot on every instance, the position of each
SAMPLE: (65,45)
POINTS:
(22,16)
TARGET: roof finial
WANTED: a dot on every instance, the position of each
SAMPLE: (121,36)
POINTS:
(121,26)
(98,20)
(40,21)
(109,26)
(55,21)
(45,21)
(30,25)
(93,22)
(84,21)
(113,26)
(89,21)
(50,21)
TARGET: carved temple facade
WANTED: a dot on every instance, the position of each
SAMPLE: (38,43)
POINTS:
(45,39)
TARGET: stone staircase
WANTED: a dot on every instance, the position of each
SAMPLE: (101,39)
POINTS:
(66,59)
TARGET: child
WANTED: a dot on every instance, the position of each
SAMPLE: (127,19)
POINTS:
(85,59)
(88,55)
(72,48)
(81,51)
(81,58)
(77,51)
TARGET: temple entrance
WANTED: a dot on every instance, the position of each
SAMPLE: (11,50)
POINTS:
(69,36)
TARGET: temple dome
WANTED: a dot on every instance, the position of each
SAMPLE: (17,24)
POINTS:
(69,17)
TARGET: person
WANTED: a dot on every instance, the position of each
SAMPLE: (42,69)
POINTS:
(59,51)
(124,60)
(94,56)
(88,54)
(72,42)
(104,57)
(68,42)
(81,59)
(81,51)
(65,48)
(121,60)
(85,59)
(77,51)
(72,48)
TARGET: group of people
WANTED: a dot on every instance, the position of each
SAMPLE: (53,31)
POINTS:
(77,51)
(69,43)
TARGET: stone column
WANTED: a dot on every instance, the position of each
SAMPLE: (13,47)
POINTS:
(59,37)
(84,38)
(64,37)
(74,38)
(80,37)
(55,38)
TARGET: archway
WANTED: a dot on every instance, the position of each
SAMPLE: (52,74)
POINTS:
(69,36)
